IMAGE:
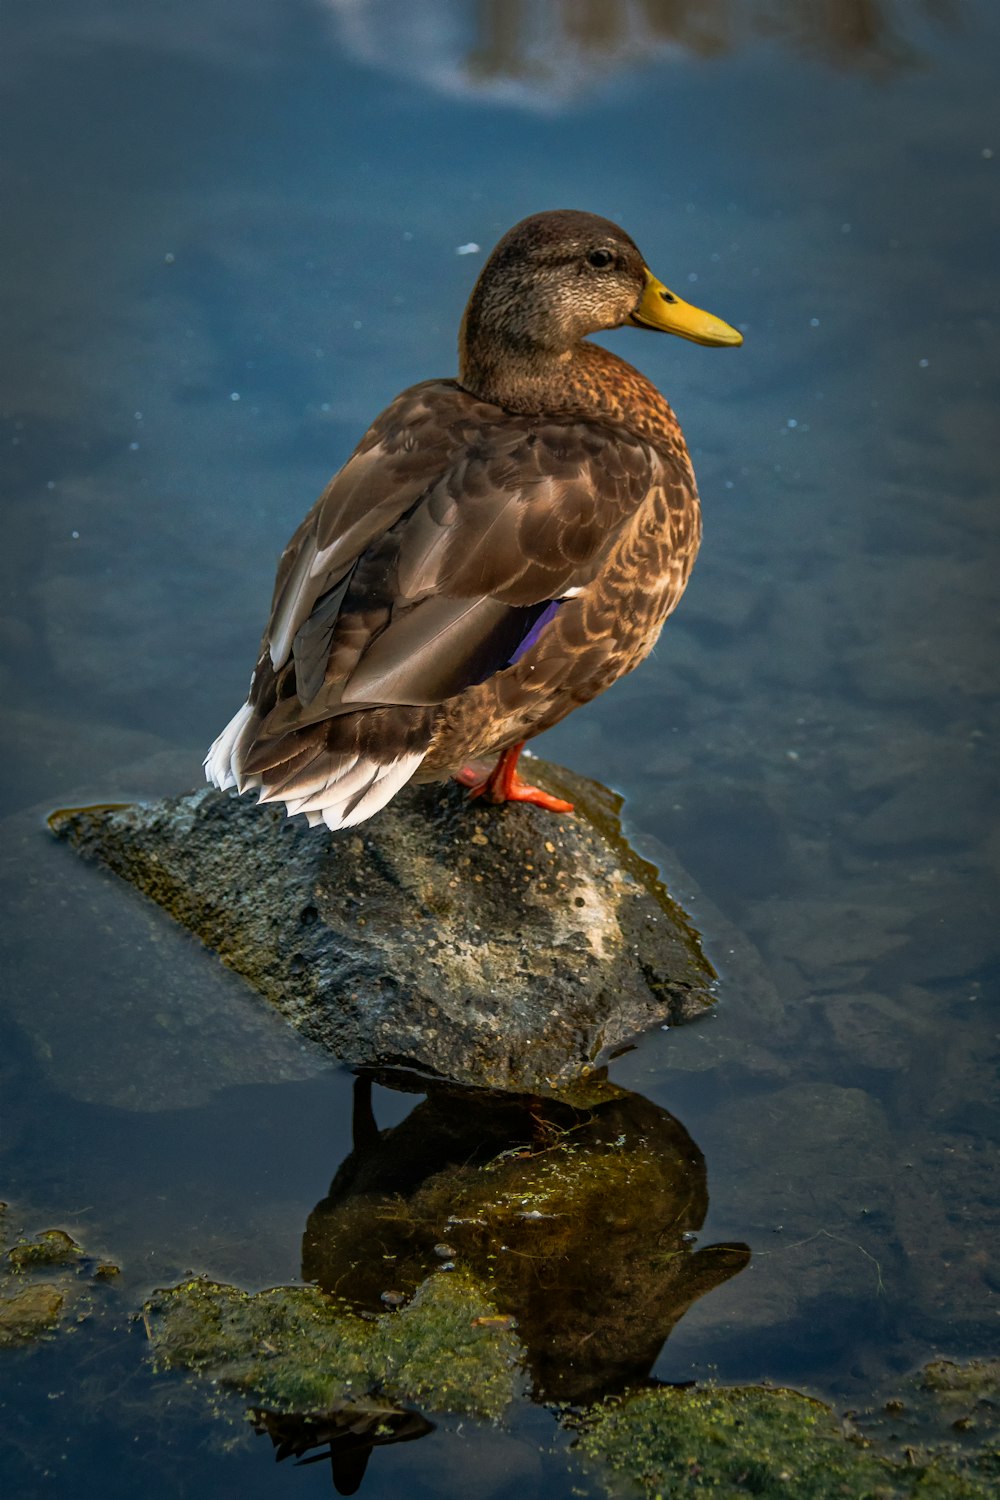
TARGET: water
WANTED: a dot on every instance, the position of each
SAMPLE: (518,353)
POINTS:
(229,240)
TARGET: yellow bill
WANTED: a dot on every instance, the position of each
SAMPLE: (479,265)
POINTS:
(663,310)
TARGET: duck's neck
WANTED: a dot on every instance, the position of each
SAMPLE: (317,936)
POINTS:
(584,380)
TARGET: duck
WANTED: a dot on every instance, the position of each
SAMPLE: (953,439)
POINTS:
(498,550)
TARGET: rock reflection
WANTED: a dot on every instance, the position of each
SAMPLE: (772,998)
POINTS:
(543,54)
(579,1219)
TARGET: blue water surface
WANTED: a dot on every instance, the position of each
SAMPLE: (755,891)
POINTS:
(231,235)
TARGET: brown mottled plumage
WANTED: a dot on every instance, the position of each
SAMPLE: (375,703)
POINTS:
(497,550)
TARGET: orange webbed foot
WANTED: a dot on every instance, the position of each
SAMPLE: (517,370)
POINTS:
(503,784)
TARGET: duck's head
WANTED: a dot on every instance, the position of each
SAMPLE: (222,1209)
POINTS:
(558,276)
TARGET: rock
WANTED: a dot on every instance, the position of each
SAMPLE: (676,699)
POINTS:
(819,1218)
(946,1219)
(45,1284)
(774,1443)
(874,1029)
(303,1352)
(943,1424)
(492,946)
(28,1312)
(52,1247)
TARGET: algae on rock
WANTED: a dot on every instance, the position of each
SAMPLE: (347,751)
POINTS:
(28,1312)
(737,1441)
(50,1247)
(296,1350)
(42,1279)
(732,1441)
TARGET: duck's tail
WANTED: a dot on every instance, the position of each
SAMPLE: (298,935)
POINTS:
(224,756)
(336,786)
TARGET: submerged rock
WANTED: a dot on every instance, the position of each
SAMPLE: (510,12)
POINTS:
(305,1353)
(496,946)
(28,1312)
(773,1443)
(51,1247)
(43,1279)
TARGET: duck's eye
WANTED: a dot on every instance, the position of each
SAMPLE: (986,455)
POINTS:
(600,258)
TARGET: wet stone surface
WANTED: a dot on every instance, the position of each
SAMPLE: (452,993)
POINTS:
(493,946)
(46,1283)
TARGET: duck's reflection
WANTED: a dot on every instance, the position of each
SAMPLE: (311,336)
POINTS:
(543,54)
(579,1219)
(347,1436)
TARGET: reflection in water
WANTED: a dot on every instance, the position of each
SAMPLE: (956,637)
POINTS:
(346,1435)
(544,53)
(489,1247)
(580,1220)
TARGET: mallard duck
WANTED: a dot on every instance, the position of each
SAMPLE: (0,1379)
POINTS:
(497,550)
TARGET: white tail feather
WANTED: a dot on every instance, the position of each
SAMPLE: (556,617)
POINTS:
(337,788)
(220,766)
(386,782)
(328,800)
(295,798)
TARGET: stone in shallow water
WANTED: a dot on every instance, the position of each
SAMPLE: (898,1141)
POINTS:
(496,946)
(755,1440)
(301,1351)
(44,1278)
(28,1312)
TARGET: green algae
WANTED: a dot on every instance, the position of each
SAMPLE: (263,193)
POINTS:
(768,1442)
(50,1247)
(29,1312)
(450,1350)
(290,1346)
(732,1442)
(44,1278)
(296,1349)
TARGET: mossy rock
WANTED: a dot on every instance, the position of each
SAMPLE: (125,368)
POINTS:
(50,1247)
(498,947)
(296,1350)
(29,1312)
(44,1278)
(733,1442)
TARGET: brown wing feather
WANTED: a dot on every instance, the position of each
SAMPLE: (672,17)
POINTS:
(421,567)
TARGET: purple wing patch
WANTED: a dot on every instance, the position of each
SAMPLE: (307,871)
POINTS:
(547,614)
